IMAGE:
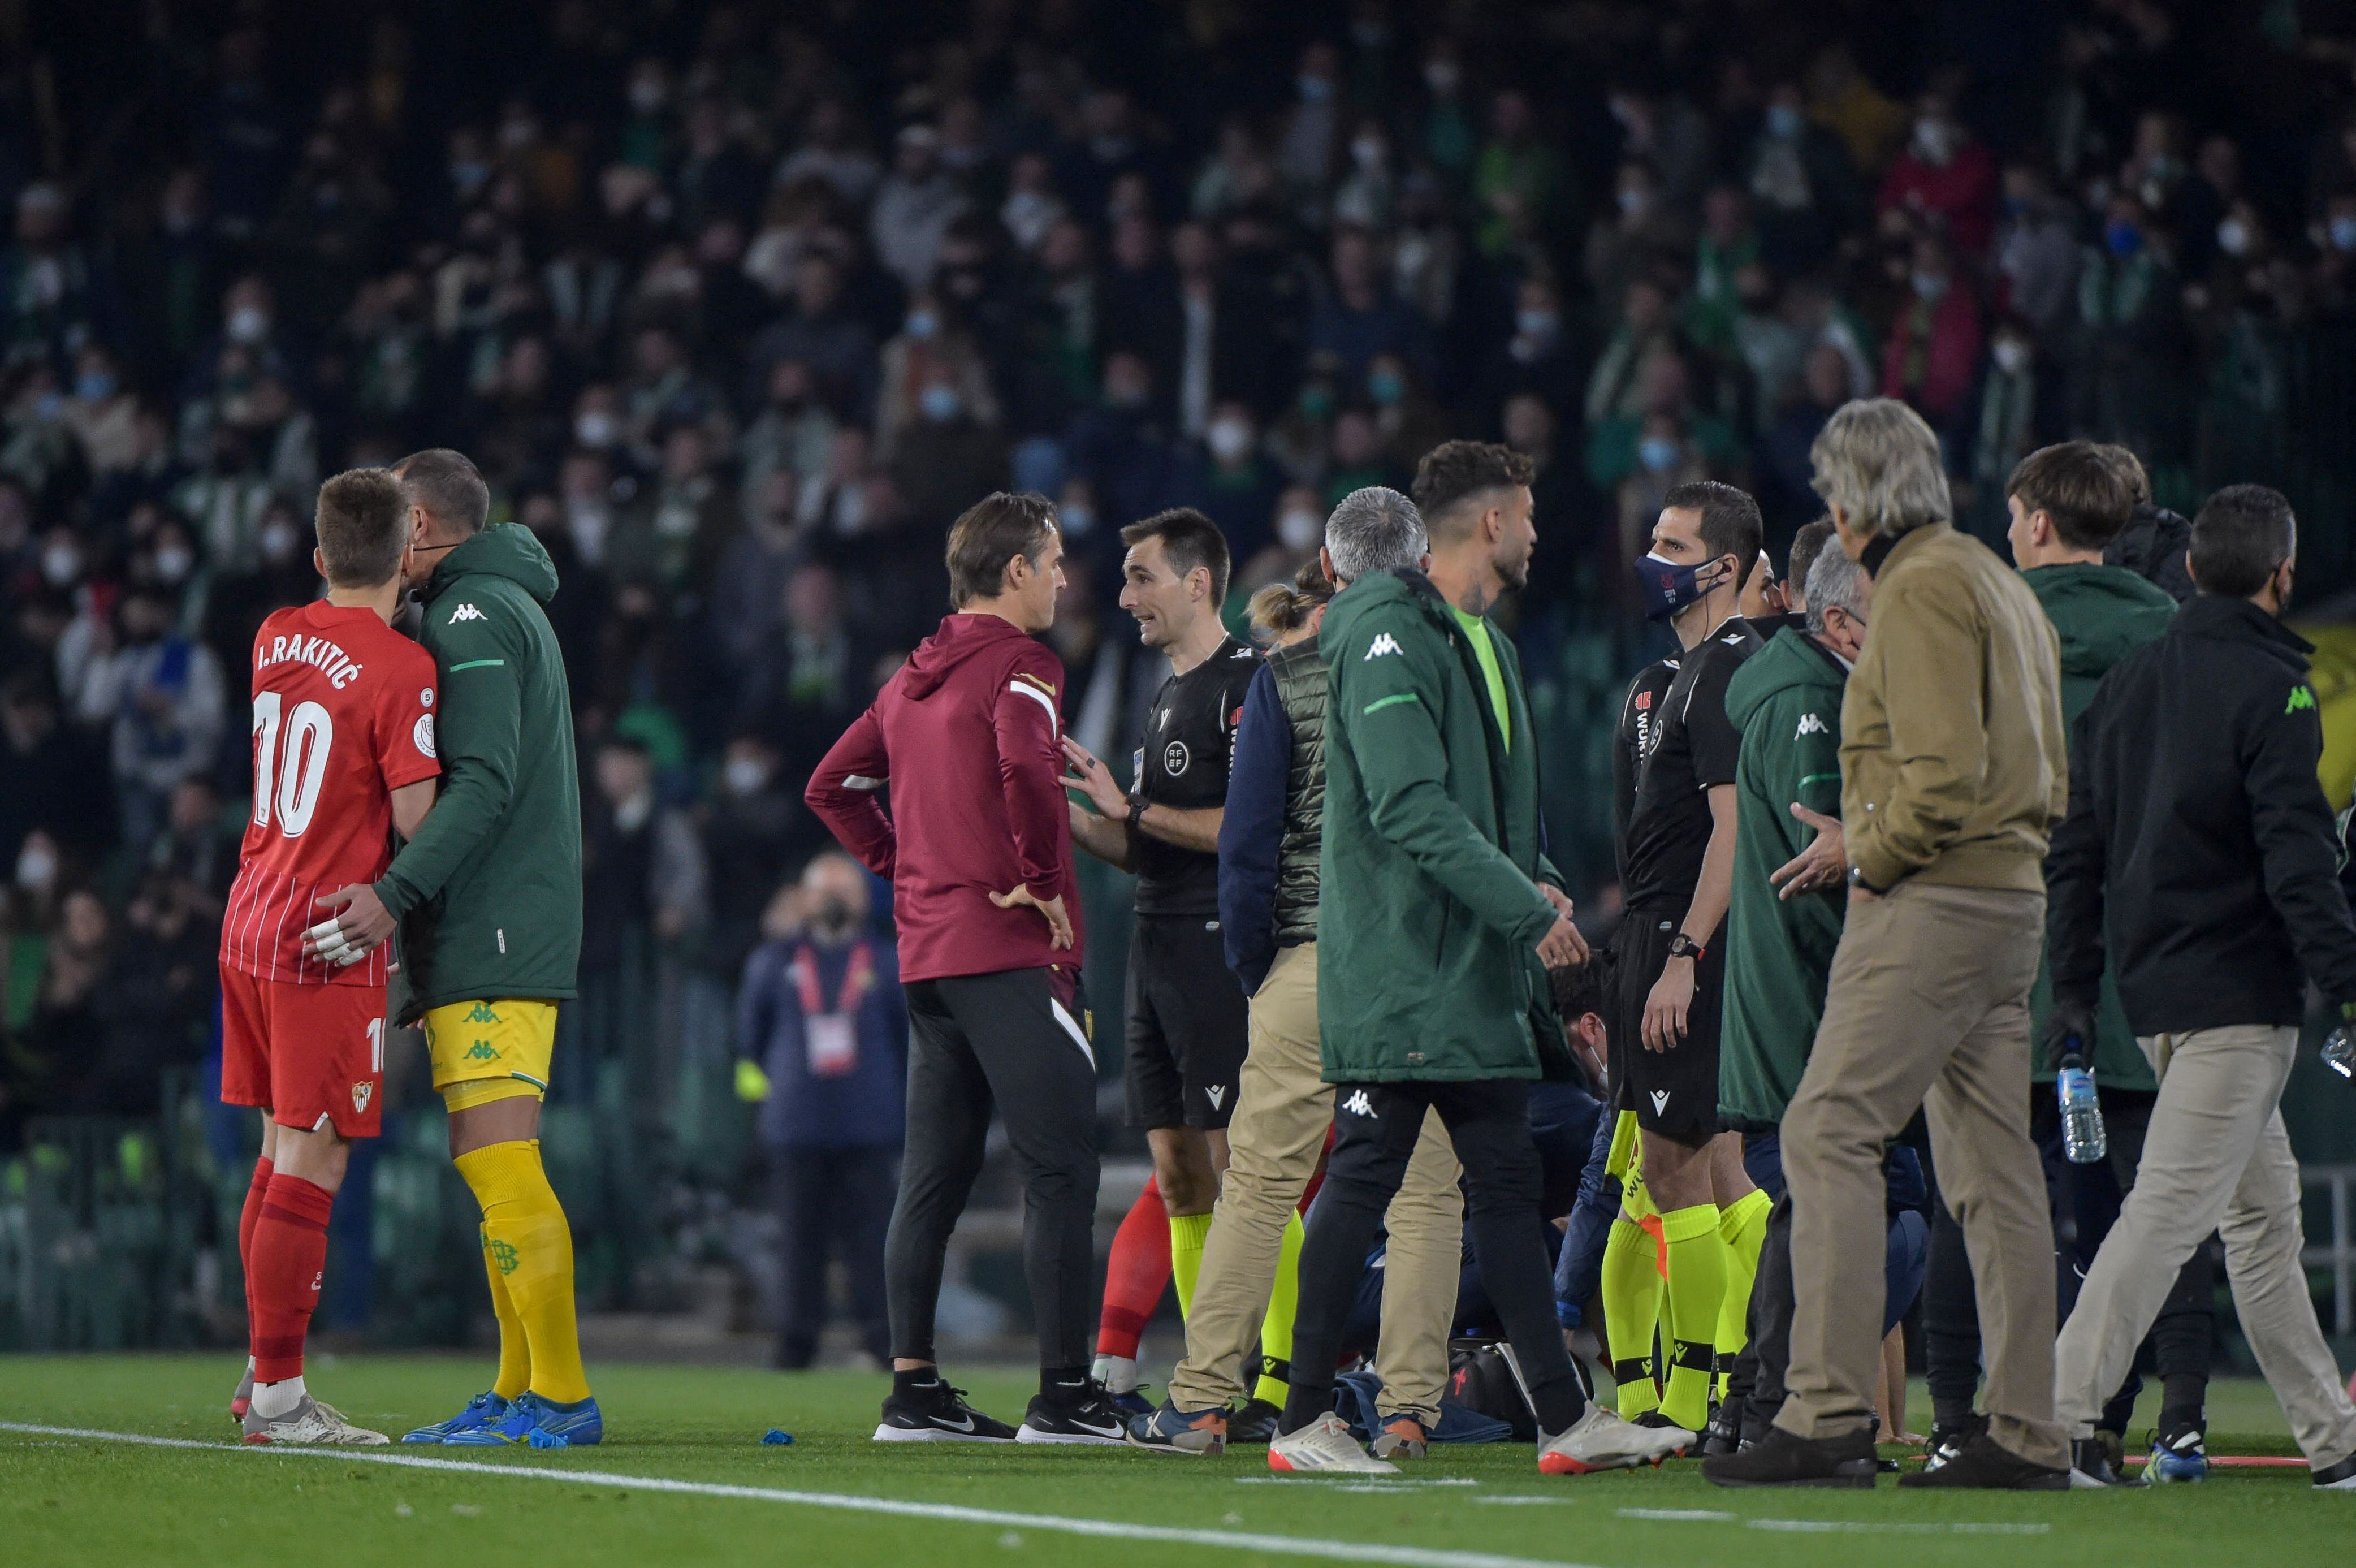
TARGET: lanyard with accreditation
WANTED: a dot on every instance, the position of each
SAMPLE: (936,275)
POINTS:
(831,1035)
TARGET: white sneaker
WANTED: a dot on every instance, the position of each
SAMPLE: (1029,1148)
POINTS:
(1325,1445)
(1600,1440)
(311,1422)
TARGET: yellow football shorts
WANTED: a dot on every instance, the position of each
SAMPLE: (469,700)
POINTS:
(496,1049)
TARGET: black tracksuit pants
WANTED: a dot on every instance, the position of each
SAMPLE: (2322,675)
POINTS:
(1375,1127)
(1005,1040)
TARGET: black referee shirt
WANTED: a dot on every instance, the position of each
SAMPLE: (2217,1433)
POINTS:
(1639,720)
(1183,762)
(1694,746)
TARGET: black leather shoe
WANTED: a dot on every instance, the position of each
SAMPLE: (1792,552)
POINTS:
(1724,1433)
(2090,1467)
(1780,1459)
(2339,1477)
(1984,1465)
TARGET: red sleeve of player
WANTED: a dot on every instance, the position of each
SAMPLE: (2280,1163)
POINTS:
(404,720)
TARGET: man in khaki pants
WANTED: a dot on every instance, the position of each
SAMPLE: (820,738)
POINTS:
(1269,908)
(1952,772)
(2198,854)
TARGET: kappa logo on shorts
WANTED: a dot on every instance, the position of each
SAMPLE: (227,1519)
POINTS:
(361,1094)
(1660,1100)
(481,1014)
(1216,1094)
(484,1051)
(1359,1105)
(1384,643)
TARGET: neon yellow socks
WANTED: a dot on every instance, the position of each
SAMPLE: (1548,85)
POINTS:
(1742,1227)
(1696,1288)
(1187,1234)
(1276,1328)
(1632,1307)
(528,1251)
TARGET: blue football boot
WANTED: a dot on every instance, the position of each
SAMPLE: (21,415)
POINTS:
(481,1412)
(2180,1452)
(540,1423)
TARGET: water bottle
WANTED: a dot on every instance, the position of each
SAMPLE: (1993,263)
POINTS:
(2339,1052)
(2082,1111)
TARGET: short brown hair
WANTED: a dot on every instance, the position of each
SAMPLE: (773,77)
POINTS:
(1454,471)
(1730,523)
(363,527)
(2241,537)
(1807,545)
(985,541)
(1190,540)
(447,485)
(2081,486)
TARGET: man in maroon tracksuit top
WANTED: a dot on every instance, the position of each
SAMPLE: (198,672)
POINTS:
(977,845)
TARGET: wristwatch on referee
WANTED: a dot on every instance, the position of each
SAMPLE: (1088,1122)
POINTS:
(1135,808)
(1684,946)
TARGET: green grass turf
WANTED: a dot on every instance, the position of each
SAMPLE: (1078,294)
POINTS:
(66,1500)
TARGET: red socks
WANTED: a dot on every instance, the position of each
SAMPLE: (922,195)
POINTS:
(1135,1274)
(288,1254)
(246,1221)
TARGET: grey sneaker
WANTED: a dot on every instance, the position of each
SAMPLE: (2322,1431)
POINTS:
(312,1422)
(242,1400)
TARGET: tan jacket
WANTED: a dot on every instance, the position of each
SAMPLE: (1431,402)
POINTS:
(1954,762)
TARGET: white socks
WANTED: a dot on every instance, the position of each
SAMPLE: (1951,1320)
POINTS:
(1116,1374)
(271,1400)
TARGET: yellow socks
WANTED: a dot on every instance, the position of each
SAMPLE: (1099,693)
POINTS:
(528,1250)
(1187,1233)
(1276,1328)
(1697,1287)
(1632,1306)
(1742,1227)
(515,1353)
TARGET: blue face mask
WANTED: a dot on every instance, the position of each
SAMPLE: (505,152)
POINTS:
(1783,121)
(1657,452)
(1669,587)
(2123,238)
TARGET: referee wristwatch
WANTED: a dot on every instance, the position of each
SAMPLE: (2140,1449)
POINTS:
(1135,808)
(1684,946)
(1857,879)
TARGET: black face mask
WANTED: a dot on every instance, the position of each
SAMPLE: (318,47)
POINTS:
(833,917)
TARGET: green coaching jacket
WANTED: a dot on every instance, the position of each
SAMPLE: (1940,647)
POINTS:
(1786,701)
(2102,614)
(489,893)
(1429,909)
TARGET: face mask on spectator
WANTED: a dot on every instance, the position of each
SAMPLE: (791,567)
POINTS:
(1536,323)
(279,541)
(1386,387)
(248,324)
(1783,121)
(2234,237)
(1935,141)
(175,561)
(1368,152)
(1931,285)
(36,868)
(1230,440)
(94,386)
(940,404)
(745,775)
(831,918)
(1633,201)
(2343,232)
(1076,518)
(61,565)
(1442,76)
(646,95)
(2012,356)
(1315,89)
(923,324)
(1657,452)
(1300,529)
(597,428)
(2123,238)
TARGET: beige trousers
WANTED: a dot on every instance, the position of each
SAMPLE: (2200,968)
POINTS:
(1282,1110)
(2214,1158)
(1928,1006)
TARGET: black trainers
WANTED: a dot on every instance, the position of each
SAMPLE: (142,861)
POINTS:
(1780,1459)
(1948,1442)
(2339,1477)
(1253,1422)
(2092,1464)
(1724,1433)
(1085,1414)
(1984,1465)
(935,1413)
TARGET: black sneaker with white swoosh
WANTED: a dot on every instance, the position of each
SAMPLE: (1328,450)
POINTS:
(938,1413)
(1085,1413)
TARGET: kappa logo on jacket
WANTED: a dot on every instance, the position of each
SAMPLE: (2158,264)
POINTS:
(1384,643)
(467,612)
(1812,723)
(2301,697)
(1359,1105)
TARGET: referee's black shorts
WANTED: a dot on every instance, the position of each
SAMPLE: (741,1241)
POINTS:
(1673,1092)
(1187,1028)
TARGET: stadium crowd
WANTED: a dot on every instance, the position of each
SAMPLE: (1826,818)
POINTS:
(737,314)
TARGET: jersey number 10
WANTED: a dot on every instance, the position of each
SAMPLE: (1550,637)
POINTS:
(292,778)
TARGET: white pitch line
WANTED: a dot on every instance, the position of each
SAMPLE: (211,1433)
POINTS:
(1102,1528)
(1834,1526)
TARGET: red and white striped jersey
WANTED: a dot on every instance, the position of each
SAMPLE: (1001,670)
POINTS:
(343,716)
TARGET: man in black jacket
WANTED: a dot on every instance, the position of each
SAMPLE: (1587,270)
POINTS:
(2198,845)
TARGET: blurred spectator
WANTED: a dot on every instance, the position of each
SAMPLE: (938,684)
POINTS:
(1944,180)
(58,781)
(1935,343)
(163,696)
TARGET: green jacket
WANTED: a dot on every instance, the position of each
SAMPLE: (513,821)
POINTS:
(2102,614)
(1430,913)
(1787,700)
(489,893)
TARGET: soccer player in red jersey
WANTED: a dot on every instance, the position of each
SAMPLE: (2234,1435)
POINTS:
(343,759)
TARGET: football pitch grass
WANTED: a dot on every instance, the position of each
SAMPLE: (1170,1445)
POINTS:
(683,1479)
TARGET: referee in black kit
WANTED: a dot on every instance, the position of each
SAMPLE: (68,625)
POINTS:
(1186,1023)
(1678,877)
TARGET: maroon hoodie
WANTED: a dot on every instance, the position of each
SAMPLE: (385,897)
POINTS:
(967,734)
